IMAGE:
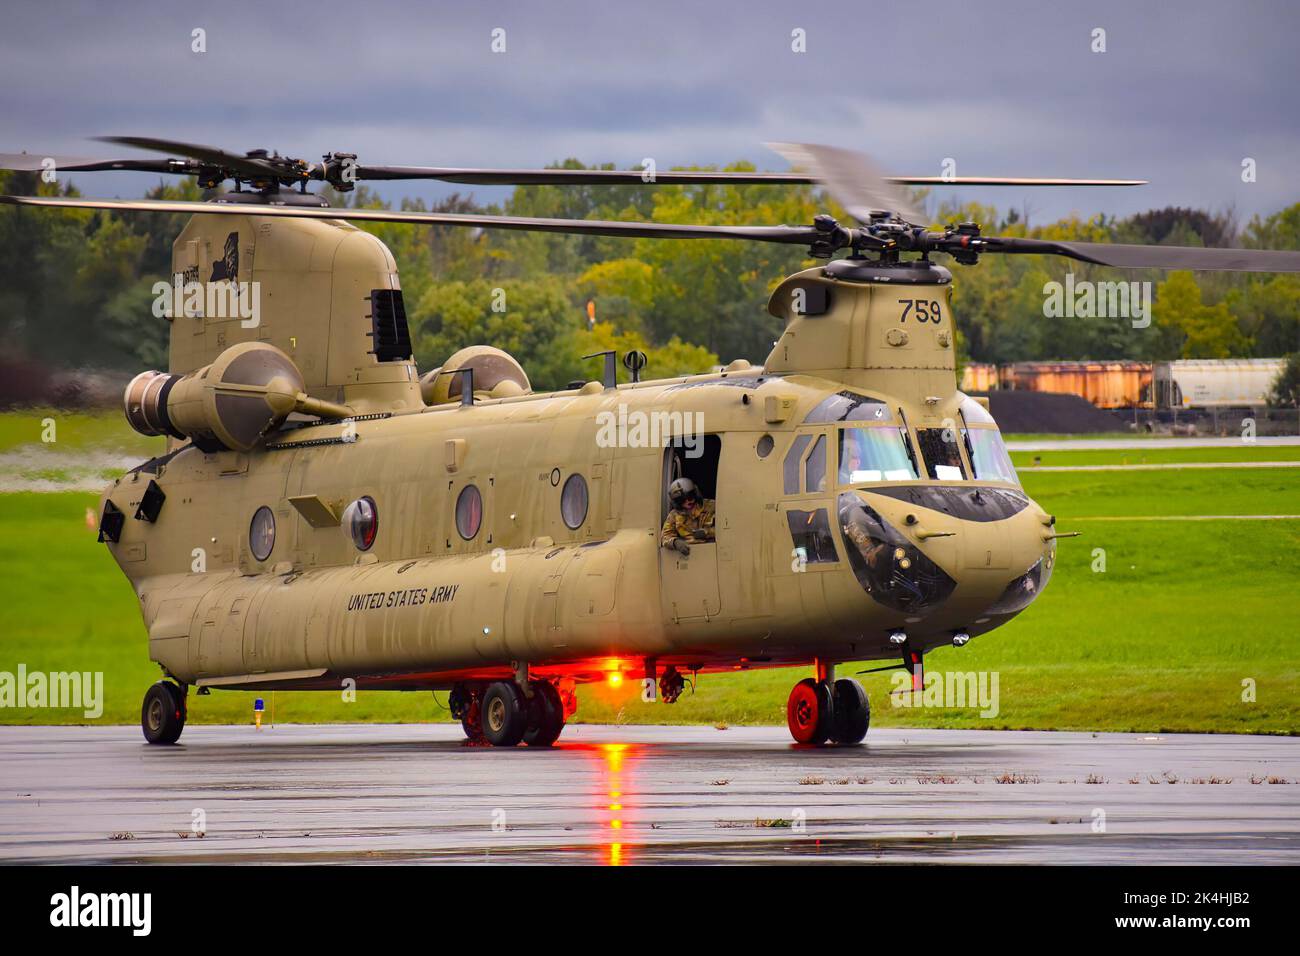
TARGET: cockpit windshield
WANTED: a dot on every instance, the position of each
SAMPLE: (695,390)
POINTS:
(881,450)
(942,454)
(988,455)
(874,454)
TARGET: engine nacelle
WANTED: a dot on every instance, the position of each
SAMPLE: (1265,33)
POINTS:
(229,405)
(495,372)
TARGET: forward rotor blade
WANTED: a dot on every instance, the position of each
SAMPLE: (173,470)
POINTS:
(1122,256)
(797,235)
(1100,253)
(851,180)
(211,155)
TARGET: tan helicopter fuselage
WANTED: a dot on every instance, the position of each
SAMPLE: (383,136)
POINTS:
(426,606)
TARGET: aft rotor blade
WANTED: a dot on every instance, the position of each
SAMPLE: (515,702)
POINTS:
(1008,181)
(211,155)
(35,163)
(257,167)
(476,176)
(797,235)
(1121,256)
(633,177)
(851,180)
(574,177)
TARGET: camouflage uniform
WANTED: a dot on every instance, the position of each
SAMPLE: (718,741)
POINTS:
(855,529)
(694,527)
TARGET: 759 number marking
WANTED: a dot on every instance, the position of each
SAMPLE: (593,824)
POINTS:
(926,310)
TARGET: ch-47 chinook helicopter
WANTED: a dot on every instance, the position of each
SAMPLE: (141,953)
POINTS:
(325,513)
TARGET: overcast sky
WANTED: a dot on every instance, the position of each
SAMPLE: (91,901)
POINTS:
(1183,93)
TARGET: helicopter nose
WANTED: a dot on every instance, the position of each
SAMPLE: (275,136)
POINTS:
(894,568)
(1021,590)
(1006,565)
(955,559)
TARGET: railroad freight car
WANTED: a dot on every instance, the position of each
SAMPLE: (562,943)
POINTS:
(1180,385)
(1215,383)
(1105,384)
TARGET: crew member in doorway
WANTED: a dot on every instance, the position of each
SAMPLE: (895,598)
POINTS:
(690,520)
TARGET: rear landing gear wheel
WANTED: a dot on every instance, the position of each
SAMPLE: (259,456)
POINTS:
(851,713)
(545,715)
(808,712)
(504,716)
(162,716)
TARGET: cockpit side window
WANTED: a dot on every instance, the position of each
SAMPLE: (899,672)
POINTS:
(790,467)
(811,533)
(815,468)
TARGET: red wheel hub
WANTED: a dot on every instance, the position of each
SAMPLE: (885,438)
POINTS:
(805,714)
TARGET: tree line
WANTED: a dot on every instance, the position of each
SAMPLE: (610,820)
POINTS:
(76,285)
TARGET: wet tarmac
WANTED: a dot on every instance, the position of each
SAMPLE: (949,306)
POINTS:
(618,795)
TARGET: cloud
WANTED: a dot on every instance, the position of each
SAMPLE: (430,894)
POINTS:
(1180,96)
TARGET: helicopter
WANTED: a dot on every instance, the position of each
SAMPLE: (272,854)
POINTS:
(327,515)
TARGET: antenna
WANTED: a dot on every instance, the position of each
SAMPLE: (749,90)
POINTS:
(466,383)
(610,377)
(634,361)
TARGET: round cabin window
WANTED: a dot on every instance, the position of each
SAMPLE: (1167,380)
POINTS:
(469,512)
(361,522)
(261,533)
(765,446)
(573,501)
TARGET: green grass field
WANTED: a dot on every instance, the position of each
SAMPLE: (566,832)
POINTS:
(1155,455)
(1059,436)
(1161,640)
(74,431)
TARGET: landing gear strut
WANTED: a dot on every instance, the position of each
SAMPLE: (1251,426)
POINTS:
(828,709)
(162,716)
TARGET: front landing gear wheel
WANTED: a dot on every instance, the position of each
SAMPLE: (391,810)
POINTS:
(809,711)
(545,715)
(851,712)
(162,717)
(504,717)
